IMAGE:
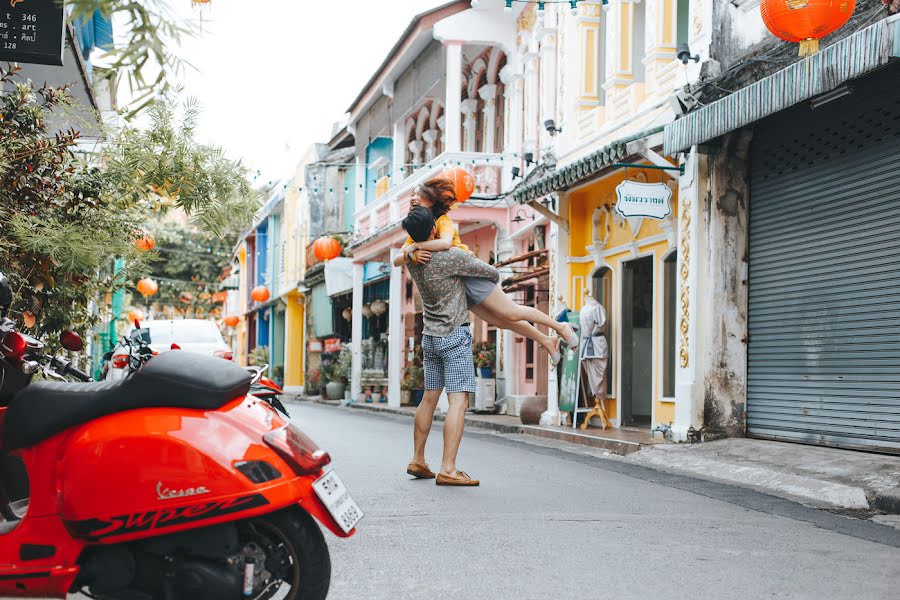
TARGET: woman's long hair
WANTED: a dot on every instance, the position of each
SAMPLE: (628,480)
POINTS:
(442,194)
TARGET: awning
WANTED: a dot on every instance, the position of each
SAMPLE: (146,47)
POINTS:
(847,59)
(579,171)
(338,275)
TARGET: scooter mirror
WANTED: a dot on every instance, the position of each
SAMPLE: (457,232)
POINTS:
(71,341)
(6,295)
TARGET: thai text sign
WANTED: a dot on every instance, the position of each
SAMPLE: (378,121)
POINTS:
(649,200)
(31,31)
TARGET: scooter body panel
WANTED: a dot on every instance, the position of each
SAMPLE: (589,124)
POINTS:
(140,474)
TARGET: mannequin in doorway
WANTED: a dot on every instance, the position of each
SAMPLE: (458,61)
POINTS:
(594,357)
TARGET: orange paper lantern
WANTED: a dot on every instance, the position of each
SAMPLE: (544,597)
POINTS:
(232,320)
(260,294)
(805,21)
(135,315)
(147,287)
(145,243)
(463,183)
(326,248)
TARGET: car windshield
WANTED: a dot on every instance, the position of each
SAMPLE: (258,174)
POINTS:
(184,332)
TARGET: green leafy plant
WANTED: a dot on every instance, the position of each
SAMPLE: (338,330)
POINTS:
(259,356)
(485,355)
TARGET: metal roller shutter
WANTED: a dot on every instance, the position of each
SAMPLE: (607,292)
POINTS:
(824,305)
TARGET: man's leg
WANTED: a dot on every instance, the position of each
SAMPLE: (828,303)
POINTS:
(453,430)
(423,421)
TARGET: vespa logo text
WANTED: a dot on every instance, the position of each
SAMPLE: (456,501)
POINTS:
(167,494)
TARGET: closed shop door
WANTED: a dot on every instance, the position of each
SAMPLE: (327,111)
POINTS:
(824,312)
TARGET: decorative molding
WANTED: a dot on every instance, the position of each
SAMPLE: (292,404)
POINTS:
(685,258)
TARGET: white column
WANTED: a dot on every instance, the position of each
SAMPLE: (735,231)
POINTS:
(454,97)
(509,375)
(488,93)
(559,288)
(532,98)
(548,77)
(395,332)
(415,147)
(469,106)
(356,332)
(430,138)
(688,390)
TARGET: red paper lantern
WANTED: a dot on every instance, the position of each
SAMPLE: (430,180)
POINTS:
(232,320)
(805,21)
(260,294)
(147,287)
(145,243)
(463,183)
(135,315)
(326,248)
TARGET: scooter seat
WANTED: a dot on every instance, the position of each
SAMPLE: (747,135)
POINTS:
(174,379)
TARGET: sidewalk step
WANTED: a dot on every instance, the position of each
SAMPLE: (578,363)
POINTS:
(511,425)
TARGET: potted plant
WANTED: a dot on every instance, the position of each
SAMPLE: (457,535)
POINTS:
(485,356)
(313,385)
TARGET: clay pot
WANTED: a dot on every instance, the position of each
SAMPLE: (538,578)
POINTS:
(531,411)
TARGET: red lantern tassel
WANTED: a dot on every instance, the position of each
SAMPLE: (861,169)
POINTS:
(809,47)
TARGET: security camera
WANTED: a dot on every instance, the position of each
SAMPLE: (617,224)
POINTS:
(684,54)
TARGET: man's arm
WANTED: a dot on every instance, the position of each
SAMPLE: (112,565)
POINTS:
(466,265)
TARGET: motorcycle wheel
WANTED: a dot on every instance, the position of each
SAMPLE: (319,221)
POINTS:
(295,554)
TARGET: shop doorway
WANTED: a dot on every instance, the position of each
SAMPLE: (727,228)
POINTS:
(637,342)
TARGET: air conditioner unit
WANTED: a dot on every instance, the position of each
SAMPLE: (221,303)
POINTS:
(486,395)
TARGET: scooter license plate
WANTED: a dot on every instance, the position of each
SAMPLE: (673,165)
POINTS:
(334,495)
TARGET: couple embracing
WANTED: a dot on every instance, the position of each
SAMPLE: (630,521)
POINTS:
(452,282)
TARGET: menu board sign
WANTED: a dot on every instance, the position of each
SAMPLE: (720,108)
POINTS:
(31,31)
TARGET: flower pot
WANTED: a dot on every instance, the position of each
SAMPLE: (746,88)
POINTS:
(335,390)
(416,397)
(376,397)
(405,397)
(486,372)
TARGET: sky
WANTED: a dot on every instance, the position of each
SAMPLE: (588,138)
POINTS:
(273,76)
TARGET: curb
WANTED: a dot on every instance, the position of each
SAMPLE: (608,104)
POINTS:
(620,447)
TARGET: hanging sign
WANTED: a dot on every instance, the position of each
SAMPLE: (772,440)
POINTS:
(31,31)
(315,346)
(649,200)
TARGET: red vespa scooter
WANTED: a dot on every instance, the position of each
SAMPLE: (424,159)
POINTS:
(171,484)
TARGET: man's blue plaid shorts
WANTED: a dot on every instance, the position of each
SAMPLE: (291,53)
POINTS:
(448,361)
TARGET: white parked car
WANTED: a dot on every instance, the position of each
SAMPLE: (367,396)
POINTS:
(190,335)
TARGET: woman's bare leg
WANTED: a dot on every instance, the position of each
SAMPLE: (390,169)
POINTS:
(499,305)
(551,343)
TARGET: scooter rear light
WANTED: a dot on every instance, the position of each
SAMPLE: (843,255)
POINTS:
(296,449)
(120,361)
(14,345)
(227,355)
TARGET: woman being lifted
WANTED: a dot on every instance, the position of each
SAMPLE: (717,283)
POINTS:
(485,299)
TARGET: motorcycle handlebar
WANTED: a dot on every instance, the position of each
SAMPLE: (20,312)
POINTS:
(77,373)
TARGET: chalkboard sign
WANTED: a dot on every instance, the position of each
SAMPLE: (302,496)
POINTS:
(31,31)
(568,373)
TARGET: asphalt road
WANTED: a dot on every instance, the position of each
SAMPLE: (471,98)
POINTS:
(551,524)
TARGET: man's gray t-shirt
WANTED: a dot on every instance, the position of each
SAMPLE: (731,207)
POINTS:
(443,293)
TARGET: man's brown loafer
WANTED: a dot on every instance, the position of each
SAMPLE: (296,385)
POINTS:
(460,479)
(419,471)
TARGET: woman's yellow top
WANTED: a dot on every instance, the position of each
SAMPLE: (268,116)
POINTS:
(445,227)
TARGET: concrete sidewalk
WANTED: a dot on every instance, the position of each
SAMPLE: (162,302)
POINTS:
(813,475)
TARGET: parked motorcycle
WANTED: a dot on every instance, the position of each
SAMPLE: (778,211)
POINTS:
(170,484)
(266,389)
